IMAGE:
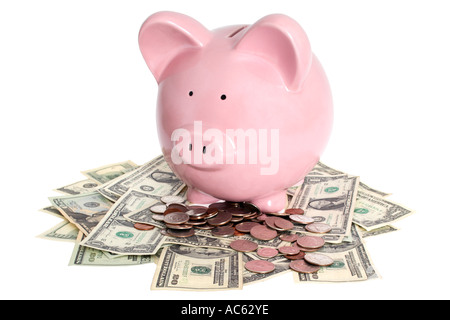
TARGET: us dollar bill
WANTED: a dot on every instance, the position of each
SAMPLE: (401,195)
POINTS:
(53,211)
(109,172)
(116,234)
(351,262)
(154,177)
(373,212)
(375,232)
(328,199)
(191,268)
(85,256)
(63,231)
(84,210)
(83,186)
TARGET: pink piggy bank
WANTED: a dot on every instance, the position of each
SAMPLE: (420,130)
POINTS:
(243,111)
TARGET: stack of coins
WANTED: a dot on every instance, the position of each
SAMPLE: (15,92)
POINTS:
(226,219)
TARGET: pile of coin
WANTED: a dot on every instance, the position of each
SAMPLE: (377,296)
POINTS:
(226,219)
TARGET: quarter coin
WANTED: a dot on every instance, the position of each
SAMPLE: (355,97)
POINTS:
(176,218)
(301,218)
(180,233)
(318,259)
(159,208)
(318,227)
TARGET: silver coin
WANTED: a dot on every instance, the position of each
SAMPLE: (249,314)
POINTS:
(172,199)
(300,218)
(318,227)
(176,218)
(318,259)
(159,208)
(158,217)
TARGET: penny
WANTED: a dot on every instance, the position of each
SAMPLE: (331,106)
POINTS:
(289,237)
(180,233)
(183,226)
(270,222)
(246,226)
(197,212)
(221,218)
(197,222)
(218,205)
(318,259)
(143,226)
(159,208)
(223,231)
(262,217)
(297,256)
(279,214)
(267,252)
(289,250)
(172,199)
(196,207)
(244,245)
(178,206)
(204,227)
(284,224)
(294,211)
(318,227)
(170,210)
(236,219)
(238,211)
(251,207)
(263,233)
(310,242)
(211,212)
(259,266)
(176,218)
(303,266)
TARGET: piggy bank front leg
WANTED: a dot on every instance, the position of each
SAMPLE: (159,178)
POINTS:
(196,196)
(275,202)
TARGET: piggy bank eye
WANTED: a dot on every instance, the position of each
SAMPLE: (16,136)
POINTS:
(223,97)
(191,93)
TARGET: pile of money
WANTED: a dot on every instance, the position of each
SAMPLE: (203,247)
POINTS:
(128,214)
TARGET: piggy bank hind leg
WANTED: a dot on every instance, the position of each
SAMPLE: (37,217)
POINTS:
(274,202)
(196,196)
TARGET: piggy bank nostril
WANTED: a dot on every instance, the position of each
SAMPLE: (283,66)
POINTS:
(190,146)
(204,149)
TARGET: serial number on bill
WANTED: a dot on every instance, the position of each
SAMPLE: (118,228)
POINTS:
(238,309)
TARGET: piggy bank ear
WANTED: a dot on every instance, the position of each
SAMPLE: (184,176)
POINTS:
(283,43)
(165,35)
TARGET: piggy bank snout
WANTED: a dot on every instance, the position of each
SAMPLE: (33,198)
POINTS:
(205,149)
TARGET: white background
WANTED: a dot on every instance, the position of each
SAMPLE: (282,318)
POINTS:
(76,94)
